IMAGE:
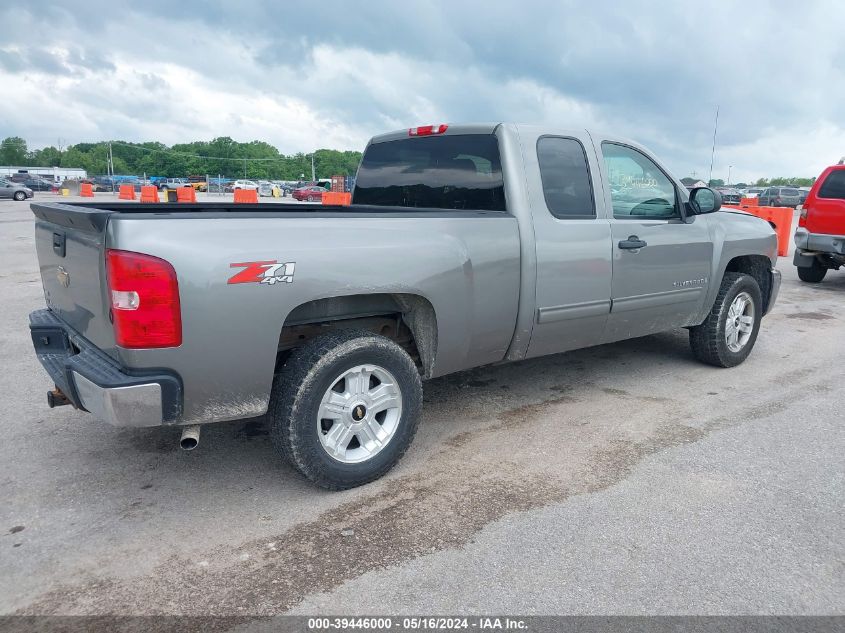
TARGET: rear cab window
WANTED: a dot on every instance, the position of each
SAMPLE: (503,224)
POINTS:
(833,186)
(565,176)
(457,172)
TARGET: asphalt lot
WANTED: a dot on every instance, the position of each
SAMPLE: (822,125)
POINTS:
(623,479)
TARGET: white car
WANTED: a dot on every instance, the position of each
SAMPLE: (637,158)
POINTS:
(244,184)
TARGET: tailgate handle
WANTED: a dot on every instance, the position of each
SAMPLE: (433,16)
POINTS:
(59,244)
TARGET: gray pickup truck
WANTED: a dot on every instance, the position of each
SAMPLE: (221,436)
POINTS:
(465,245)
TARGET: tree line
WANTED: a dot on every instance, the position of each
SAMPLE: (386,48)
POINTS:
(222,155)
(780,181)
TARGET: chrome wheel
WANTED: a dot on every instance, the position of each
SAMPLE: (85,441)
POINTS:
(740,322)
(359,414)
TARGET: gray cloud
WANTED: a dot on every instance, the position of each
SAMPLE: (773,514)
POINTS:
(653,71)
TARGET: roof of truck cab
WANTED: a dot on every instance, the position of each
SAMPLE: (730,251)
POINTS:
(490,128)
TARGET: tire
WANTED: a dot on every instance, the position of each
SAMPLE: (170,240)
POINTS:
(20,196)
(812,274)
(709,341)
(314,373)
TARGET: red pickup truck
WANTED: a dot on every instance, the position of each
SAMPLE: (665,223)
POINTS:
(820,237)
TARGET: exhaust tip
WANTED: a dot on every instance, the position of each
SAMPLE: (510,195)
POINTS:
(190,438)
(188,443)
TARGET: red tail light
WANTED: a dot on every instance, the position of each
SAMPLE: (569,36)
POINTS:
(428,130)
(144,295)
(802,217)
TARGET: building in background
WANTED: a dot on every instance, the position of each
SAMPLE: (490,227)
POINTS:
(56,174)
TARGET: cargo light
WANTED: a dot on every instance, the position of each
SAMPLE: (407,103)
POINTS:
(144,294)
(428,130)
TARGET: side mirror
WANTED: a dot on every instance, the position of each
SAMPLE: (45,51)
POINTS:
(705,200)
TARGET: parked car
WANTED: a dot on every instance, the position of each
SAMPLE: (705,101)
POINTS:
(172,183)
(779,197)
(244,184)
(37,184)
(819,241)
(730,196)
(753,192)
(327,321)
(14,190)
(803,192)
(310,194)
(268,189)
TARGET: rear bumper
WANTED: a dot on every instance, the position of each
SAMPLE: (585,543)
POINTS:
(94,382)
(819,242)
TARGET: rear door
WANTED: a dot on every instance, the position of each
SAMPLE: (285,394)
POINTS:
(572,240)
(70,243)
(661,264)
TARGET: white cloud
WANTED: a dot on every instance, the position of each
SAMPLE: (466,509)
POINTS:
(650,71)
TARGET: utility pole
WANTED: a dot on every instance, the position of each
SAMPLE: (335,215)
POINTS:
(729,174)
(713,152)
(313,174)
(111,163)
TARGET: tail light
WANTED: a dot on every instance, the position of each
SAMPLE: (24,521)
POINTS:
(144,295)
(802,217)
(428,130)
(777,199)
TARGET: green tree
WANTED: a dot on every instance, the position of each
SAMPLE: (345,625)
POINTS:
(716,182)
(13,151)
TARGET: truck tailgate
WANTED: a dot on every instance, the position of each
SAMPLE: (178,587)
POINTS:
(70,242)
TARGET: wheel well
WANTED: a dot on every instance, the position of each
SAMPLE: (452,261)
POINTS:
(407,319)
(758,267)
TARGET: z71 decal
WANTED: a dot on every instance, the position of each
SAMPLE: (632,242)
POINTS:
(269,272)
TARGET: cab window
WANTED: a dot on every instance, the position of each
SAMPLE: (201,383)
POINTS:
(638,188)
(565,177)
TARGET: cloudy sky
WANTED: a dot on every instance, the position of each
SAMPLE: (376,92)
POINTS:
(305,75)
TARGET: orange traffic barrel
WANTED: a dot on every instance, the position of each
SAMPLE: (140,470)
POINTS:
(337,198)
(246,196)
(86,190)
(149,193)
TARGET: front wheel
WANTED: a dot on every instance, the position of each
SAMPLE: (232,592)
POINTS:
(812,274)
(345,408)
(20,196)
(729,332)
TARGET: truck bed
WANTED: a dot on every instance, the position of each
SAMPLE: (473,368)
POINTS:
(94,215)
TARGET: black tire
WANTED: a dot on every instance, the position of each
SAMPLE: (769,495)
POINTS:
(812,274)
(708,339)
(20,196)
(299,388)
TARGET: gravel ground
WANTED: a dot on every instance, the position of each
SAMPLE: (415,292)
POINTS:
(623,479)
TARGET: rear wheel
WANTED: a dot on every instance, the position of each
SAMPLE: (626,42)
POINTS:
(812,274)
(345,408)
(729,332)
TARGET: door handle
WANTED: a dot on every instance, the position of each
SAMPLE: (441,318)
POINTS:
(632,242)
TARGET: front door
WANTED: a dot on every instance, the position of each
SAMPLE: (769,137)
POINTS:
(661,262)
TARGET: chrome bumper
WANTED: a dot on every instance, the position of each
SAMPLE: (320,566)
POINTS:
(94,382)
(134,405)
(819,242)
(775,289)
